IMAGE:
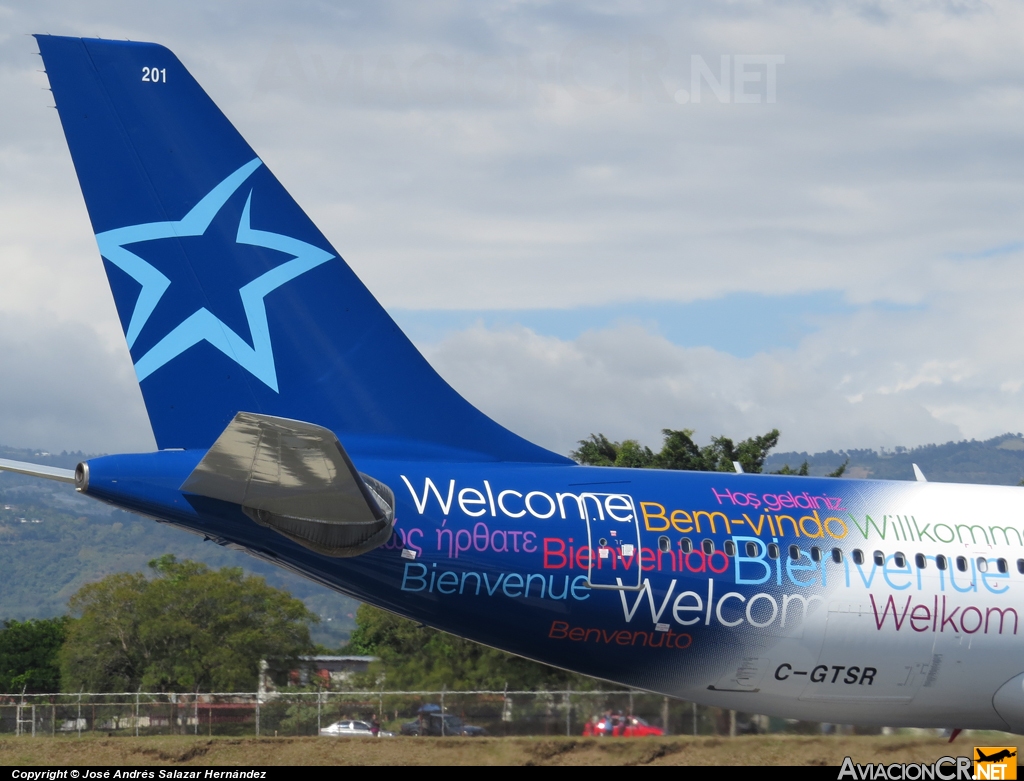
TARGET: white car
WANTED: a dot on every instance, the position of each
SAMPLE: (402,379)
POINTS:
(356,729)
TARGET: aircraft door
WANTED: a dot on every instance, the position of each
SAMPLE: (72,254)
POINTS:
(613,536)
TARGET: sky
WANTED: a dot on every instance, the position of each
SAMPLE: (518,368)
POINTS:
(632,216)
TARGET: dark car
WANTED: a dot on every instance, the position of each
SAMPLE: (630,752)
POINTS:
(438,725)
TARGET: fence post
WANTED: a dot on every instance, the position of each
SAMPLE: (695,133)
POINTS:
(319,697)
(33,720)
(257,715)
(568,712)
(137,710)
(443,687)
(78,721)
(196,709)
(695,719)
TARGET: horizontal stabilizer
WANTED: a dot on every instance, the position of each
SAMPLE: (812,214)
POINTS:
(295,478)
(37,470)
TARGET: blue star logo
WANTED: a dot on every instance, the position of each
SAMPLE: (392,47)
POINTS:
(203,325)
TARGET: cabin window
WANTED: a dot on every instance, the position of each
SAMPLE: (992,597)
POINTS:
(1002,566)
(879,558)
(794,553)
(664,544)
(773,551)
(858,556)
(751,550)
(837,555)
(961,563)
(921,561)
(815,554)
(685,545)
(899,559)
(708,546)
(1020,566)
(940,562)
(982,564)
(730,548)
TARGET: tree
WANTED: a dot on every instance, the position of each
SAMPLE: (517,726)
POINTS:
(29,652)
(804,470)
(633,454)
(598,451)
(679,451)
(840,470)
(187,628)
(413,656)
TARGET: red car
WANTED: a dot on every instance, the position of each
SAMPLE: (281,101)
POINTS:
(620,726)
(638,728)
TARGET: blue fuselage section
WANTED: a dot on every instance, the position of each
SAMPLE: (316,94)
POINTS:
(506,554)
(763,593)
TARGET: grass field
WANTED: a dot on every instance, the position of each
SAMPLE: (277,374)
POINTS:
(754,750)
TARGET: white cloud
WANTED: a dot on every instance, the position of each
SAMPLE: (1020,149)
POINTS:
(872,378)
(63,390)
(472,175)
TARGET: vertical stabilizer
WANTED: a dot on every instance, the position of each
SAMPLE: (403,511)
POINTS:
(230,298)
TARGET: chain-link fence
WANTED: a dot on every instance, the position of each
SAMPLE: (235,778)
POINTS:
(308,713)
(296,713)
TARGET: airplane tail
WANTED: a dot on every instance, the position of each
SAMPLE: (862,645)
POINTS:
(230,298)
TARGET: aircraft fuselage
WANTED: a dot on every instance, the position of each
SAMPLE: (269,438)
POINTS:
(515,556)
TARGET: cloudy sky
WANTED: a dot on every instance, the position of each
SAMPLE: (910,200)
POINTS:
(727,217)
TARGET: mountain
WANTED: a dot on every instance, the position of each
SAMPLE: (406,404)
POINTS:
(996,461)
(54,540)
